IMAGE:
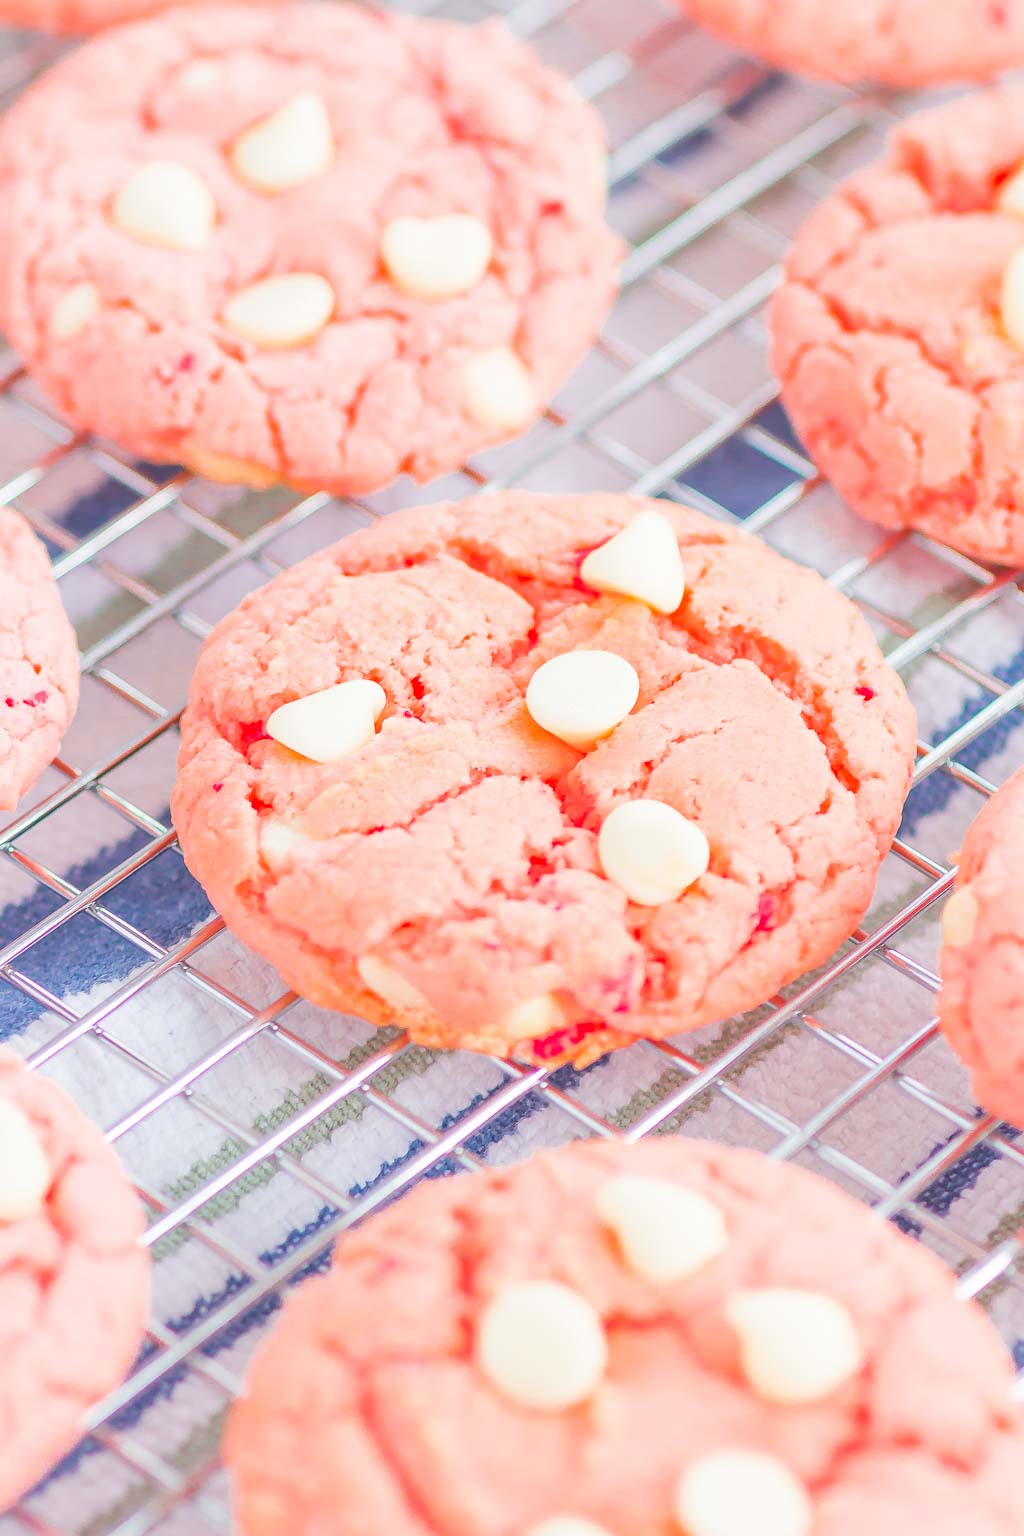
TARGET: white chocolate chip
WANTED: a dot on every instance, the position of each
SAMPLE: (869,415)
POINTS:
(436,258)
(200,75)
(582,696)
(960,918)
(651,852)
(739,1493)
(542,1345)
(389,985)
(293,145)
(643,561)
(567,1525)
(1011,194)
(331,724)
(796,1346)
(74,310)
(285,311)
(25,1173)
(666,1233)
(533,1018)
(1013,299)
(279,840)
(499,390)
(167,204)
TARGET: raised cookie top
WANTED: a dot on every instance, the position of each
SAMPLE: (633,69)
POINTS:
(327,243)
(950,186)
(525,788)
(38,660)
(912,276)
(668,1337)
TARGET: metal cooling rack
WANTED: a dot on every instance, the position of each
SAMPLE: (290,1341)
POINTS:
(117,980)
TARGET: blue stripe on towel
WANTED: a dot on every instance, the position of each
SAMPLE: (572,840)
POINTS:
(938,789)
(161,899)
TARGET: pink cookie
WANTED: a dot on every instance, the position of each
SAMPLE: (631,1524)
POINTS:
(76,15)
(981,1006)
(74,1281)
(670,1337)
(898,332)
(454,869)
(38,660)
(904,42)
(316,245)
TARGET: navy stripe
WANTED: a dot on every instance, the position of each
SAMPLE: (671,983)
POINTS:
(938,789)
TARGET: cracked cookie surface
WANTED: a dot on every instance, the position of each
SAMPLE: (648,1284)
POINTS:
(902,42)
(38,660)
(888,334)
(981,1005)
(458,847)
(74,1281)
(368,1408)
(231,238)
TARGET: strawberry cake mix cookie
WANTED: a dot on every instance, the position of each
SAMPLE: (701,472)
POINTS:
(316,245)
(899,330)
(38,660)
(903,42)
(539,775)
(981,1006)
(74,1281)
(77,15)
(610,1340)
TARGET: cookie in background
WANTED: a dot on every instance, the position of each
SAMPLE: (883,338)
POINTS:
(82,15)
(898,331)
(38,660)
(316,245)
(981,1005)
(894,42)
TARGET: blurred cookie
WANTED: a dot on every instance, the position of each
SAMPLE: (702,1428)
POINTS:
(981,1006)
(38,660)
(898,333)
(616,1340)
(498,771)
(315,245)
(901,42)
(79,15)
(74,1280)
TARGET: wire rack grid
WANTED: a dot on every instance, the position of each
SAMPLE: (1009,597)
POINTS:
(257,1128)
